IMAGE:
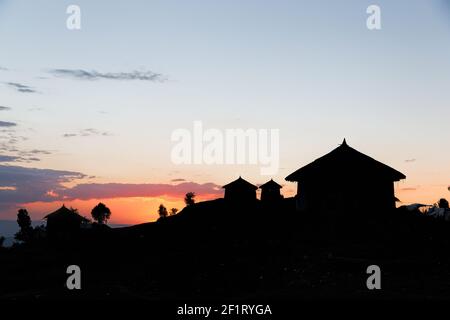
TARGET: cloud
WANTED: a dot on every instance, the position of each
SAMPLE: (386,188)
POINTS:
(69,135)
(7,124)
(9,142)
(2,108)
(4,158)
(3,68)
(26,185)
(93,132)
(32,184)
(88,191)
(87,133)
(21,87)
(8,145)
(410,160)
(38,151)
(95,75)
(35,109)
(9,158)
(21,186)
(178,180)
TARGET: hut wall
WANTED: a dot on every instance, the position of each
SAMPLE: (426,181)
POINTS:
(268,194)
(239,194)
(345,195)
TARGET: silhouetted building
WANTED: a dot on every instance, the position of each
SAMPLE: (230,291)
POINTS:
(270,192)
(240,190)
(64,222)
(345,179)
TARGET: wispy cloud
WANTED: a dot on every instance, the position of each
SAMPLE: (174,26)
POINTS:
(4,158)
(178,180)
(69,135)
(143,75)
(21,87)
(87,133)
(35,109)
(93,132)
(9,146)
(9,158)
(31,155)
(7,124)
(410,160)
(38,151)
(3,108)
(3,68)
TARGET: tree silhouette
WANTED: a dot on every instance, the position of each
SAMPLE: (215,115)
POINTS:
(101,213)
(173,211)
(443,203)
(189,199)
(2,240)
(162,211)
(24,222)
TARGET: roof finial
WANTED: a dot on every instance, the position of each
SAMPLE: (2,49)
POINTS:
(344,143)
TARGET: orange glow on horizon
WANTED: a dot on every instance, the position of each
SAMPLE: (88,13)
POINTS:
(133,210)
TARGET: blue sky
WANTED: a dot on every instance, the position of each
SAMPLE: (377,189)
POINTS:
(310,68)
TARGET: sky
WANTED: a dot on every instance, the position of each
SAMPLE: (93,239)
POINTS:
(87,115)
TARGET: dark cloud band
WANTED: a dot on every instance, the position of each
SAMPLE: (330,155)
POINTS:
(33,185)
(21,87)
(7,124)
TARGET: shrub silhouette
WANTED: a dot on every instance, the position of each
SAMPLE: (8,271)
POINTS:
(443,203)
(24,221)
(189,199)
(101,213)
(162,211)
(173,211)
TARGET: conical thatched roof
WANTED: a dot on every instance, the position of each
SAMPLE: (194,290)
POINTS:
(240,183)
(345,162)
(270,185)
(65,212)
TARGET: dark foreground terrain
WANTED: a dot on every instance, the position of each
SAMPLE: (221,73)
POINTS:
(214,251)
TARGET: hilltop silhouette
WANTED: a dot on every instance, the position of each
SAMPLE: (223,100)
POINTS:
(315,245)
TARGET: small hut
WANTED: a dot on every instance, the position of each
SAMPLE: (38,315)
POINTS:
(240,191)
(270,192)
(64,222)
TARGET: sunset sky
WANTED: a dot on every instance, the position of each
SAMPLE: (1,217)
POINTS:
(87,115)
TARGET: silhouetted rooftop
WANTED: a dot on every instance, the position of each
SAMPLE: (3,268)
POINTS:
(270,184)
(64,211)
(345,161)
(240,183)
